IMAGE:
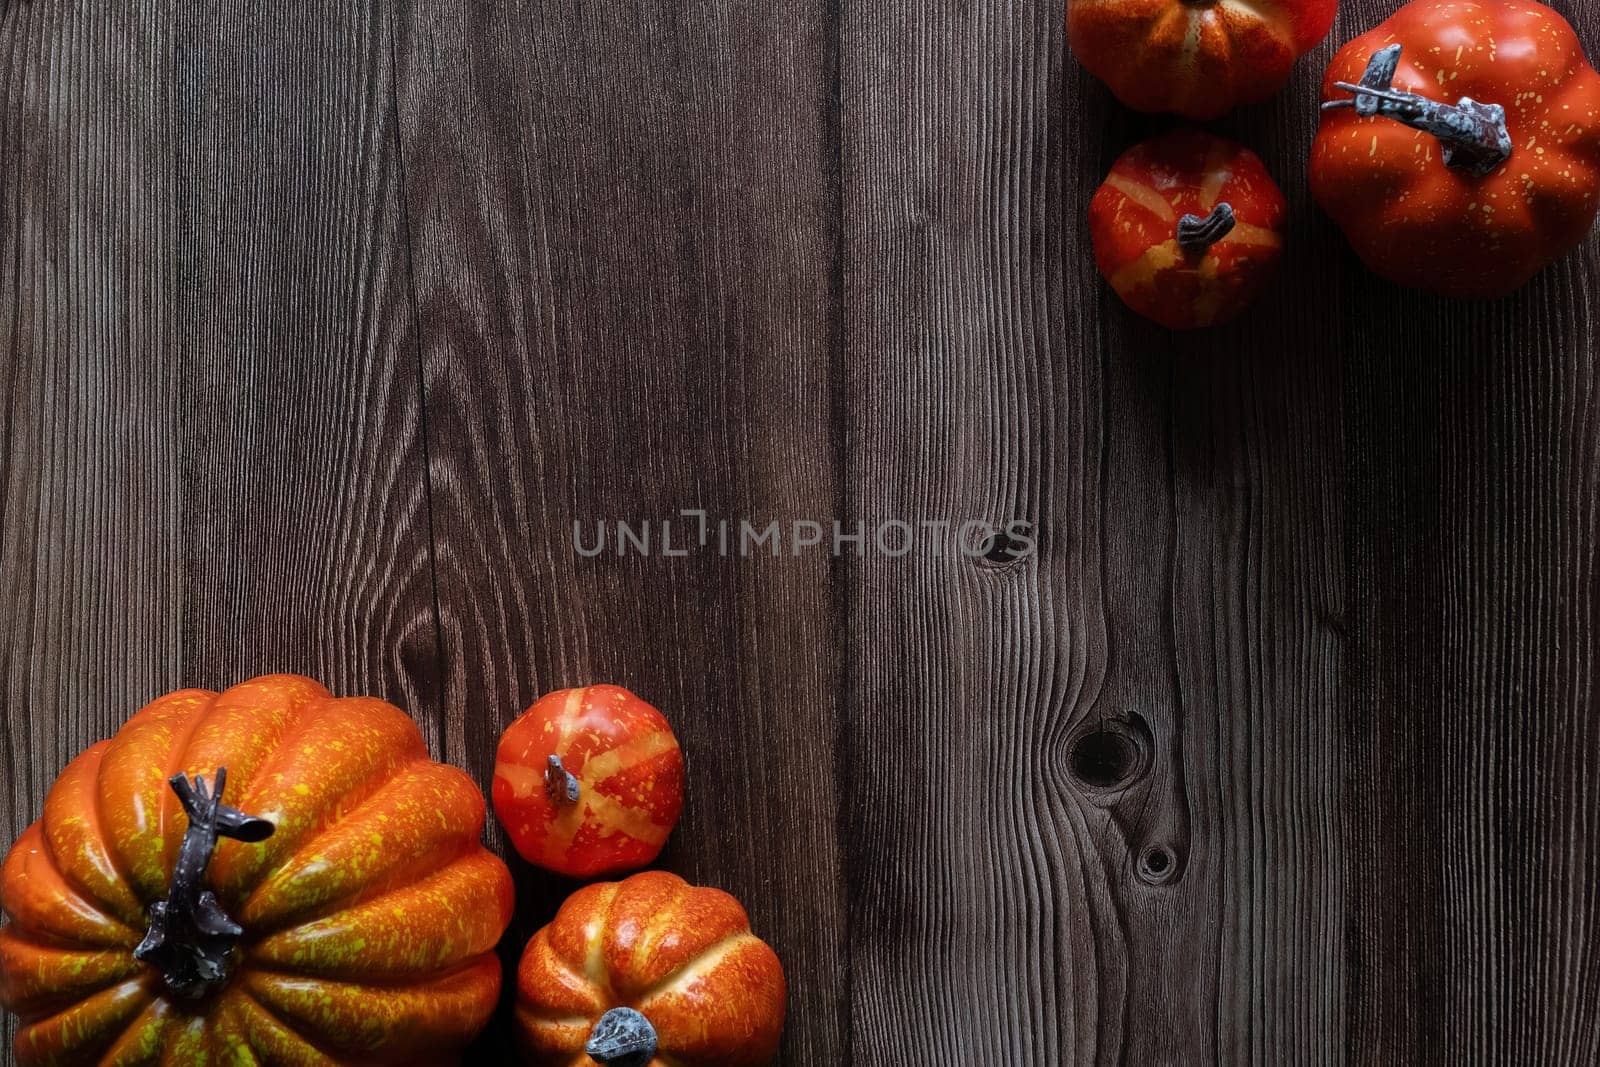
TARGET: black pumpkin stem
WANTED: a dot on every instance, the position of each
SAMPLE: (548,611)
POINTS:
(1473,135)
(191,939)
(560,784)
(1196,234)
(622,1038)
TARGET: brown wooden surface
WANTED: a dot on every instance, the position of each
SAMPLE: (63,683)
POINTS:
(323,322)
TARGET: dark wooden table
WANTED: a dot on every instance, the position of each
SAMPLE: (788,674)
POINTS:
(322,323)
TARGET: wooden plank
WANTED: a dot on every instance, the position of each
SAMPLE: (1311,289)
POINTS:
(1471,743)
(624,220)
(90,460)
(1229,442)
(1187,587)
(974,388)
(214,465)
(305,518)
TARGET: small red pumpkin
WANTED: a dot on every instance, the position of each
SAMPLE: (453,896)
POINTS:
(1187,228)
(589,782)
(1197,58)
(649,971)
(1467,198)
(266,875)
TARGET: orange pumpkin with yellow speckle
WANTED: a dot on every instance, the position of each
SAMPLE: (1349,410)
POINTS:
(1460,144)
(589,782)
(265,875)
(649,971)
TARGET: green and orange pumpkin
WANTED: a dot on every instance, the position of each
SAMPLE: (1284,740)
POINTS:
(269,875)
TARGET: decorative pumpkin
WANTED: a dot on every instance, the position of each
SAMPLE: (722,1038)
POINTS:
(1469,199)
(1197,58)
(266,875)
(589,782)
(649,971)
(1187,228)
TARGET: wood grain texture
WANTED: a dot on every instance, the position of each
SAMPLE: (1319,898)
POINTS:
(91,545)
(305,517)
(324,325)
(970,863)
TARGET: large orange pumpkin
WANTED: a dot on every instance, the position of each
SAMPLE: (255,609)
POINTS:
(1460,144)
(649,972)
(270,875)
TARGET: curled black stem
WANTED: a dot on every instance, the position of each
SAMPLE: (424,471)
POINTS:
(1196,234)
(191,939)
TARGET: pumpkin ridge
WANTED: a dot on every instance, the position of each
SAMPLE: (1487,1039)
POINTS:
(35,938)
(225,1038)
(181,1029)
(376,981)
(279,1021)
(594,967)
(703,962)
(581,973)
(368,1029)
(546,1017)
(650,933)
(466,939)
(662,923)
(153,1012)
(140,995)
(402,877)
(530,1020)
(132,787)
(96,808)
(68,874)
(352,801)
(1269,16)
(312,840)
(51,997)
(34,836)
(403,874)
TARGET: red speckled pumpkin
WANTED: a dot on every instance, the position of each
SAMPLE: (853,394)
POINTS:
(1197,58)
(1464,156)
(1187,228)
(589,781)
(270,875)
(649,971)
